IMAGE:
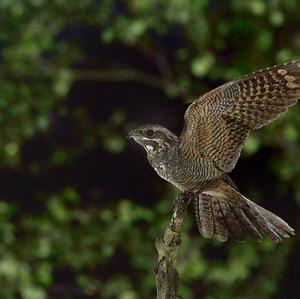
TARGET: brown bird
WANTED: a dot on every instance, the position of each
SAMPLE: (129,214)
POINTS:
(216,127)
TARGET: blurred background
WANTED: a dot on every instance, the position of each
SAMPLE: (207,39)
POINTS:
(80,207)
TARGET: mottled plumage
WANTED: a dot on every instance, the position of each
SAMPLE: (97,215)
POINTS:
(216,127)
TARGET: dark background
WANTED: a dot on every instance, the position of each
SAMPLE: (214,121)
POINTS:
(80,207)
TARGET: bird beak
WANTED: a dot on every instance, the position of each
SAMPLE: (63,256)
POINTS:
(132,134)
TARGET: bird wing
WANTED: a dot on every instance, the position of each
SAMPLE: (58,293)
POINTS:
(217,124)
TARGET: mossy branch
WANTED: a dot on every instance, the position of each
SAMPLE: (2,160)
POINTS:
(167,278)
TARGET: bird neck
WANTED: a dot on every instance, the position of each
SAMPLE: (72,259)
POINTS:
(166,153)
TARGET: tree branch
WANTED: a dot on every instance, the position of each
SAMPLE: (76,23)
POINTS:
(118,75)
(167,279)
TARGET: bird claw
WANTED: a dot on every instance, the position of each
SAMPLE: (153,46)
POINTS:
(180,200)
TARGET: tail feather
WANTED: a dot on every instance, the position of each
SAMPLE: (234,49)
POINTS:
(264,225)
(218,215)
(274,226)
(220,229)
(232,222)
(247,225)
(204,216)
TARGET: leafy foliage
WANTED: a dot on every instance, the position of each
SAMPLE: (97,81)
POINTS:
(77,209)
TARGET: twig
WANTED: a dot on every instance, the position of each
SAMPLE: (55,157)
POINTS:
(118,75)
(167,279)
(164,82)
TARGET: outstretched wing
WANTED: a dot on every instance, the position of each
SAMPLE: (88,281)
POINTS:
(217,124)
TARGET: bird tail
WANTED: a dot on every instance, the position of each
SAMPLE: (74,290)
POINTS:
(220,217)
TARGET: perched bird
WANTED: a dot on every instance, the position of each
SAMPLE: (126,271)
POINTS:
(216,127)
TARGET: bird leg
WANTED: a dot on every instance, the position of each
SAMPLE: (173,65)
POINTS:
(167,279)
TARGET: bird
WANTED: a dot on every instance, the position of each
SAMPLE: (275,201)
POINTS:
(216,126)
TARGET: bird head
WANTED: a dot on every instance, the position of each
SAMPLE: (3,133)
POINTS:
(154,138)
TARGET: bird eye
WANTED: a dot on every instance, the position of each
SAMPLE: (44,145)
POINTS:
(149,133)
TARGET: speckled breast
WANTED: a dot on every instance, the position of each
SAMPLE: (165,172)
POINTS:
(186,175)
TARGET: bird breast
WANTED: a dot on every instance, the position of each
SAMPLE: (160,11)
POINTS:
(167,170)
(186,174)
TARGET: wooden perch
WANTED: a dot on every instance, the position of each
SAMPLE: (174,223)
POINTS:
(167,279)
